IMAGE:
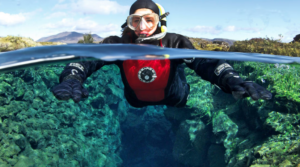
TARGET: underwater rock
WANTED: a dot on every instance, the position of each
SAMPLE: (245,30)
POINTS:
(24,161)
(285,163)
(14,107)
(225,131)
(2,101)
(35,139)
(20,140)
(4,164)
(37,103)
(28,96)
(283,123)
(19,87)
(3,112)
(50,132)
(216,156)
(40,90)
(147,138)
(49,75)
(192,143)
(277,153)
(178,115)
(5,88)
(9,149)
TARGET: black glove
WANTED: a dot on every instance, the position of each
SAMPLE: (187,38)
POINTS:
(70,88)
(241,89)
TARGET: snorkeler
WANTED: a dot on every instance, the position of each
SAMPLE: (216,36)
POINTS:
(156,82)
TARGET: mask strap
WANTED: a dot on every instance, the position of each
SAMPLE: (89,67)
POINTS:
(163,20)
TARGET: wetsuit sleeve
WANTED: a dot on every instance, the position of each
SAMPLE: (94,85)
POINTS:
(83,69)
(213,70)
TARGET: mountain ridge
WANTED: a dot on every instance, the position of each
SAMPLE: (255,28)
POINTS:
(74,37)
(68,37)
(229,41)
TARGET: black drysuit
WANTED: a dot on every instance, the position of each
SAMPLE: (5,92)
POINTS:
(173,87)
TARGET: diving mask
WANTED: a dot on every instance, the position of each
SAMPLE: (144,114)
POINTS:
(142,21)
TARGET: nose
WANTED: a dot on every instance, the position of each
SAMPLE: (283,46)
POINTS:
(143,25)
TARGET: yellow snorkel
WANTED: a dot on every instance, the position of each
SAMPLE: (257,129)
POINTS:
(162,18)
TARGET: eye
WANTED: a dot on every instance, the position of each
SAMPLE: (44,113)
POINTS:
(136,21)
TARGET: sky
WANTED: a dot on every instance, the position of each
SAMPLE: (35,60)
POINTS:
(232,19)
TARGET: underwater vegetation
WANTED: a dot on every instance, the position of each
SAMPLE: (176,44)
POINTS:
(36,129)
(243,127)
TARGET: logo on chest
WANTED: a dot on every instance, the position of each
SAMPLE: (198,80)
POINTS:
(147,75)
(147,78)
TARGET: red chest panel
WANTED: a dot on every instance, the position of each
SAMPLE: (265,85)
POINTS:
(148,78)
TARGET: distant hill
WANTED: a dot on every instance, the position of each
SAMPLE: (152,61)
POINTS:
(74,37)
(229,41)
(68,37)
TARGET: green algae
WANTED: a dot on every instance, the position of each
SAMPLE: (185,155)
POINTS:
(52,132)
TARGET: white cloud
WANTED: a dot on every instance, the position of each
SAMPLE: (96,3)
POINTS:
(230,28)
(56,14)
(7,19)
(94,7)
(234,28)
(205,29)
(291,32)
(32,13)
(61,6)
(219,29)
(264,16)
(82,25)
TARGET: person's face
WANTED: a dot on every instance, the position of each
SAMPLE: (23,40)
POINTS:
(145,30)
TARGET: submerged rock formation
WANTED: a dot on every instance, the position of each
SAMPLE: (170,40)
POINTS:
(39,130)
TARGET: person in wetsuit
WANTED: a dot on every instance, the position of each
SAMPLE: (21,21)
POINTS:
(161,81)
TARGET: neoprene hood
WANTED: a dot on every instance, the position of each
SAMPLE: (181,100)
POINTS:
(148,4)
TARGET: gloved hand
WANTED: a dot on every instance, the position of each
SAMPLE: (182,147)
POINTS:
(248,88)
(70,88)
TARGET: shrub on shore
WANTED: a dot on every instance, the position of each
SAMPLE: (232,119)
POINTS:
(202,44)
(267,46)
(10,43)
(87,38)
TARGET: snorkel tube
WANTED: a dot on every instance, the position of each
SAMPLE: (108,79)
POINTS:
(163,23)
